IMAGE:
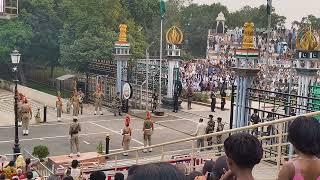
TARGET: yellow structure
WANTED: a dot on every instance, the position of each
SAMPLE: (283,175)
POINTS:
(308,39)
(247,42)
(123,33)
(174,36)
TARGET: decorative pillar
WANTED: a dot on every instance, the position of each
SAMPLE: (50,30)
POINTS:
(174,37)
(122,55)
(220,23)
(245,73)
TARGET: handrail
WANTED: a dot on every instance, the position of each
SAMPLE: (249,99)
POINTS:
(218,133)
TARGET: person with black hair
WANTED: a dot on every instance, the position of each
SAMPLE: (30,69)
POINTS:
(68,178)
(209,130)
(255,119)
(304,135)
(156,171)
(74,130)
(243,152)
(220,166)
(208,167)
(29,175)
(97,175)
(201,130)
(118,176)
(75,170)
(193,175)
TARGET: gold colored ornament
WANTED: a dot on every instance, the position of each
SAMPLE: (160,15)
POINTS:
(247,42)
(308,40)
(123,33)
(174,35)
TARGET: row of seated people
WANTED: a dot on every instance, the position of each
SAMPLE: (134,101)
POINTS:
(243,151)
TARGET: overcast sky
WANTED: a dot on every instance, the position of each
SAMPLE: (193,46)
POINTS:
(292,9)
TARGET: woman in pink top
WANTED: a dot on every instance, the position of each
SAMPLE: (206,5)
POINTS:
(304,135)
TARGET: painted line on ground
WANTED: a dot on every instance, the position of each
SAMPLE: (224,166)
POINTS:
(86,142)
(116,132)
(182,118)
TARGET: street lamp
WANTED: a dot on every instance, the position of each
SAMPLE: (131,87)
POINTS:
(15,59)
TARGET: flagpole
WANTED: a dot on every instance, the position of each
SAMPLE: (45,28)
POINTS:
(160,79)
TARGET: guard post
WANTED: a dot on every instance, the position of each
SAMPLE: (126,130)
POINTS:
(44,113)
(107,145)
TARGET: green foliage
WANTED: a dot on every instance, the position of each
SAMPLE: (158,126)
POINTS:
(41,152)
(186,57)
(100,148)
(197,96)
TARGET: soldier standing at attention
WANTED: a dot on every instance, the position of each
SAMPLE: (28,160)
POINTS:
(80,97)
(26,114)
(190,94)
(20,102)
(220,127)
(223,100)
(155,99)
(213,101)
(175,101)
(98,97)
(147,132)
(74,130)
(59,108)
(126,133)
(209,130)
(117,104)
(75,104)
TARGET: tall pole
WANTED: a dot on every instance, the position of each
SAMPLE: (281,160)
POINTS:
(148,62)
(160,74)
(269,9)
(16,148)
(289,109)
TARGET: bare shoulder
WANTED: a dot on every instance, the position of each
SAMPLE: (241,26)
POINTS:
(286,171)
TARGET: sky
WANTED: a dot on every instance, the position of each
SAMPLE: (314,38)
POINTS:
(292,9)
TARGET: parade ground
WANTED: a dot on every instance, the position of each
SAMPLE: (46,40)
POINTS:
(54,135)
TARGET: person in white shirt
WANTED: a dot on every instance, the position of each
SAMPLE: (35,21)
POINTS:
(201,130)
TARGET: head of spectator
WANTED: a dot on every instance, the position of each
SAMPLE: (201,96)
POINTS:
(15,178)
(156,171)
(29,175)
(118,176)
(304,135)
(74,164)
(208,166)
(53,177)
(132,169)
(220,166)
(68,178)
(200,120)
(181,167)
(243,152)
(97,175)
(193,175)
(2,176)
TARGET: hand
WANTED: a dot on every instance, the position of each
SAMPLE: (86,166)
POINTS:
(228,175)
(201,177)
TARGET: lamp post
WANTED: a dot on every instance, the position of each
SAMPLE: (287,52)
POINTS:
(15,59)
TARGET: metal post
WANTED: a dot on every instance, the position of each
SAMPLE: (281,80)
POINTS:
(148,62)
(107,145)
(232,107)
(16,148)
(160,80)
(289,104)
(45,113)
(269,29)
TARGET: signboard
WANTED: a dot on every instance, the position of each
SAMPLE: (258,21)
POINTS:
(126,91)
(308,54)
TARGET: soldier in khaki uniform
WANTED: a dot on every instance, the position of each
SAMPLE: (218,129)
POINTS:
(74,130)
(147,132)
(219,128)
(126,133)
(116,103)
(81,97)
(75,104)
(26,114)
(98,97)
(59,108)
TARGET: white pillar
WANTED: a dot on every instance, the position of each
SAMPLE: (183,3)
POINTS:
(171,65)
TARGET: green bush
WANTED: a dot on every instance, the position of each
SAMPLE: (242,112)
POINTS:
(100,148)
(197,96)
(40,152)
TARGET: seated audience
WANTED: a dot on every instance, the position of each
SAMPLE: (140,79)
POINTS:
(304,135)
(156,171)
(220,166)
(208,167)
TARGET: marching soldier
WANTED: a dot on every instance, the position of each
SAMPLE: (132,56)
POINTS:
(98,97)
(20,103)
(213,101)
(147,132)
(220,127)
(59,108)
(80,97)
(155,99)
(190,94)
(75,104)
(74,130)
(26,114)
(209,130)
(223,100)
(117,104)
(68,105)
(126,133)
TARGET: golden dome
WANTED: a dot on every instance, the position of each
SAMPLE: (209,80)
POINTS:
(174,35)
